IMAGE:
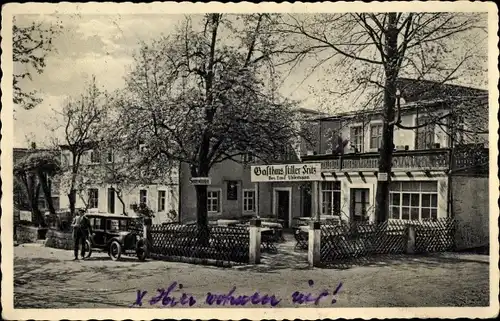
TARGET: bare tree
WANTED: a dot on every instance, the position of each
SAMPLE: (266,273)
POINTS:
(202,96)
(84,128)
(30,46)
(376,49)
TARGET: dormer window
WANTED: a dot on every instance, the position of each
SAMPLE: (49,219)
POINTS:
(248,158)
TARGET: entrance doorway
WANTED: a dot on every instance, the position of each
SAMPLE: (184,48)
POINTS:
(111,200)
(283,205)
(360,201)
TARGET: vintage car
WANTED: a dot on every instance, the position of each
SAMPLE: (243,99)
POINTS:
(112,234)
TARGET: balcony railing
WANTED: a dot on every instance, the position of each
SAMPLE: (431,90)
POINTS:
(437,159)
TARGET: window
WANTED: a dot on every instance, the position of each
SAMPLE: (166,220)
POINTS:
(93,198)
(413,200)
(249,200)
(248,158)
(95,157)
(232,190)
(213,201)
(161,200)
(376,136)
(111,200)
(425,135)
(360,202)
(330,198)
(97,223)
(64,160)
(357,138)
(42,204)
(143,196)
(109,157)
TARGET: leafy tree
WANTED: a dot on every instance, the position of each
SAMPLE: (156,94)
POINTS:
(35,170)
(31,44)
(85,124)
(375,50)
(202,96)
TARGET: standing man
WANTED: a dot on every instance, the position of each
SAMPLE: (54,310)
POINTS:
(81,230)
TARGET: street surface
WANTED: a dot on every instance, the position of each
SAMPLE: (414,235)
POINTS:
(48,278)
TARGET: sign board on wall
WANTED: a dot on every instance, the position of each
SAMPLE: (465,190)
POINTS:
(25,216)
(286,173)
(201,180)
(382,177)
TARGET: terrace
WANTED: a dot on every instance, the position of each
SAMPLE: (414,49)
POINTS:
(404,160)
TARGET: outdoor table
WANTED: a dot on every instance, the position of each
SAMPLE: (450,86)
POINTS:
(227,222)
(278,229)
(268,239)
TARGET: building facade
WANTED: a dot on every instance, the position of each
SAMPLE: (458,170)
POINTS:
(98,193)
(427,155)
(232,194)
(430,148)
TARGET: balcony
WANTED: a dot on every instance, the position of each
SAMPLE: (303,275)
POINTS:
(409,160)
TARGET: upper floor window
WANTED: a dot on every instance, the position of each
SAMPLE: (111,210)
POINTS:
(162,196)
(248,158)
(95,157)
(109,157)
(425,135)
(357,138)
(143,196)
(65,160)
(376,136)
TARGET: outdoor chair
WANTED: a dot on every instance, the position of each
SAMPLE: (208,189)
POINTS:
(301,238)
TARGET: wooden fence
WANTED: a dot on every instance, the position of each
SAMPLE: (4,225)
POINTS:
(226,244)
(391,237)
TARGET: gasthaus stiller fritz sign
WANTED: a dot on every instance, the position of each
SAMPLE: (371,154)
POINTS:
(286,173)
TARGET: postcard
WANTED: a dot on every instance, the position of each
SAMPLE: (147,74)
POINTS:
(249,161)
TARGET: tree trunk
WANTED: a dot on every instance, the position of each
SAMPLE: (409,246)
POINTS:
(72,201)
(46,191)
(119,195)
(202,214)
(39,217)
(387,148)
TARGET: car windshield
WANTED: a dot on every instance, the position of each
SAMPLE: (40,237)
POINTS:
(116,225)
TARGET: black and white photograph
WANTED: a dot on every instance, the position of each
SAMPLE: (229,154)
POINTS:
(230,161)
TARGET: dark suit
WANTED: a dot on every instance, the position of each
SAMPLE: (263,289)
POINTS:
(81,231)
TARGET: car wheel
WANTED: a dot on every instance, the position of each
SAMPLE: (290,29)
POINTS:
(88,248)
(115,250)
(142,250)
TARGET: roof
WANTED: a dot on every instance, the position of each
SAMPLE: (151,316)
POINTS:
(420,93)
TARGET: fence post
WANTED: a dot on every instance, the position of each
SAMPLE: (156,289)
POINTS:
(254,255)
(410,245)
(147,230)
(314,248)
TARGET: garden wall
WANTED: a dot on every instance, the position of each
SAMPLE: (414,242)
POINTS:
(471,211)
(59,240)
(27,234)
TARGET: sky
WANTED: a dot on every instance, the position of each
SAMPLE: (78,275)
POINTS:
(103,45)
